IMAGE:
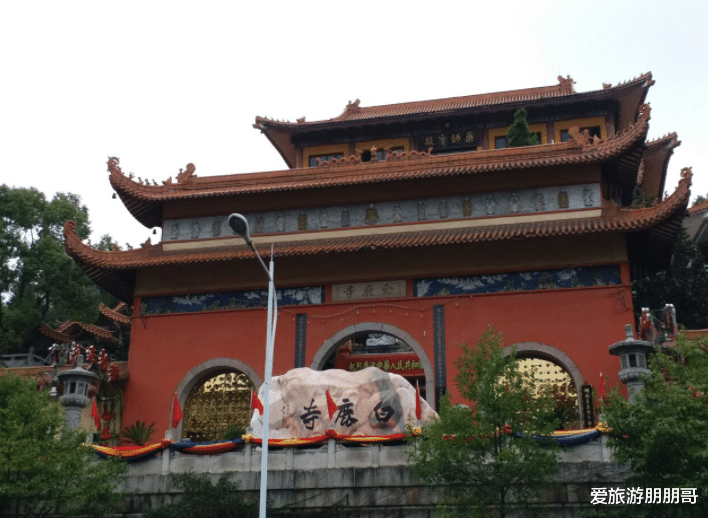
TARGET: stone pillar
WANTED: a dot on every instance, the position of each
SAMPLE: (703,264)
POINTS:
(633,355)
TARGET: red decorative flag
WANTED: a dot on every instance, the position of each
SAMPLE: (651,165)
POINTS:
(418,410)
(176,412)
(94,414)
(331,405)
(256,403)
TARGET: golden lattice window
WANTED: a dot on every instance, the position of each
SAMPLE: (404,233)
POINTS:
(219,402)
(553,376)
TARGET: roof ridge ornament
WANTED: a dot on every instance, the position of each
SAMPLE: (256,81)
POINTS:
(353,106)
(187,175)
(113,166)
(566,85)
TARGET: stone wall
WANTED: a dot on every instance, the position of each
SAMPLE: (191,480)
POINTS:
(370,481)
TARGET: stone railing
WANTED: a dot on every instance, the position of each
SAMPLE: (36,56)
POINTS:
(330,455)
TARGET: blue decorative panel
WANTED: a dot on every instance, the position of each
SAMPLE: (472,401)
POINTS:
(230,300)
(518,281)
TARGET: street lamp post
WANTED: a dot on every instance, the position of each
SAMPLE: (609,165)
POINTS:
(239,224)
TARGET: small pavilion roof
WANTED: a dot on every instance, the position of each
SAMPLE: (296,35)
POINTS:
(630,94)
(69,331)
(115,271)
(146,202)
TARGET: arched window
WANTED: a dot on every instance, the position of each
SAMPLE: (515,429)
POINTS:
(219,402)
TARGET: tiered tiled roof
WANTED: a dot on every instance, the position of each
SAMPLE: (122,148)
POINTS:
(115,271)
(146,202)
(630,95)
(655,161)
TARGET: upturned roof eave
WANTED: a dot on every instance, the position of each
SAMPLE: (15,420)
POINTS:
(546,94)
(354,116)
(105,267)
(146,202)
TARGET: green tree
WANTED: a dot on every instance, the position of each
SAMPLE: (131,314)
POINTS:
(684,284)
(202,498)
(44,469)
(518,134)
(38,281)
(663,435)
(484,470)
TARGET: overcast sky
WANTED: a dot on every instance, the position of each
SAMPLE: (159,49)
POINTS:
(162,84)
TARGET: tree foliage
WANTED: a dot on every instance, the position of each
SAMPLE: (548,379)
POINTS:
(202,498)
(663,435)
(518,134)
(469,452)
(684,284)
(38,281)
(43,468)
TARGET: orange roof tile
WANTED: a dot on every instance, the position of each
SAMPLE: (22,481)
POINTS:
(145,201)
(108,268)
(698,208)
(564,88)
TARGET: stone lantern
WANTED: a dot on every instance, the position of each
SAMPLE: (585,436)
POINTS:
(76,383)
(634,356)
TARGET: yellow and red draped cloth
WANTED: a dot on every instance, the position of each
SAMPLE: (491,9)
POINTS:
(565,438)
(577,437)
(206,448)
(131,453)
(331,434)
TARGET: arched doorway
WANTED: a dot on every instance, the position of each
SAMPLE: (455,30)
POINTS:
(553,369)
(219,404)
(374,344)
(200,375)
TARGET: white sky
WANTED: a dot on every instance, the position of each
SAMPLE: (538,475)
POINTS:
(161,84)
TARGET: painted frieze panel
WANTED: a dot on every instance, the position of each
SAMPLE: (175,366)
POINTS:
(510,203)
(518,281)
(230,300)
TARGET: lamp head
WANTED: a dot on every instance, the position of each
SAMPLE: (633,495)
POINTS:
(239,224)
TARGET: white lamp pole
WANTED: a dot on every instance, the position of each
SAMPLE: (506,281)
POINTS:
(239,224)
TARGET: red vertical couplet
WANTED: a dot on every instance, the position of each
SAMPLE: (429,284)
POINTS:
(418,410)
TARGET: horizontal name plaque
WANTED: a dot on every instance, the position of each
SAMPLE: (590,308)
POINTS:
(368,290)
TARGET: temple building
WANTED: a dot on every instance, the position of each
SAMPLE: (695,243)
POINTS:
(398,232)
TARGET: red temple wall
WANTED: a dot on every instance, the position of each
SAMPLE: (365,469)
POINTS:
(582,322)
